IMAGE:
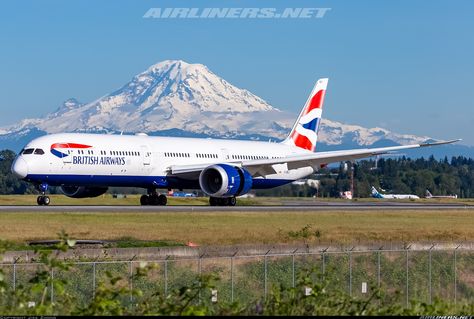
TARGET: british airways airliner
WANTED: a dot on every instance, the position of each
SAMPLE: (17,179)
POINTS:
(85,165)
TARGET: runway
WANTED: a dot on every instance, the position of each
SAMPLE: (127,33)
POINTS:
(290,206)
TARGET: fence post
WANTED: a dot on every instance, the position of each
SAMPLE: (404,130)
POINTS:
(166,276)
(200,266)
(378,267)
(406,249)
(200,276)
(323,263)
(131,278)
(232,276)
(265,273)
(93,279)
(455,278)
(52,286)
(430,276)
(350,271)
(232,279)
(293,267)
(14,274)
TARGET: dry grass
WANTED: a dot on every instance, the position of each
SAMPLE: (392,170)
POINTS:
(223,228)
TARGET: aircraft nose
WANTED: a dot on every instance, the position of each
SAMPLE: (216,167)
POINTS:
(20,168)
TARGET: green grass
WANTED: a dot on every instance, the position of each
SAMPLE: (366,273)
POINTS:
(130,242)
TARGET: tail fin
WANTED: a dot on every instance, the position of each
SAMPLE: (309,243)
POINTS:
(375,193)
(305,130)
(428,194)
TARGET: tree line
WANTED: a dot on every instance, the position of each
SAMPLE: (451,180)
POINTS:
(401,175)
(9,184)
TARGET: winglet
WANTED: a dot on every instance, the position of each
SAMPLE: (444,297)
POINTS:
(440,143)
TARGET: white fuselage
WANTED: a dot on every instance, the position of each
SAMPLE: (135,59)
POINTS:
(400,196)
(142,161)
(447,196)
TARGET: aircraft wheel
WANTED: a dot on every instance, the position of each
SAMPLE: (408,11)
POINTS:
(212,201)
(153,200)
(39,200)
(46,200)
(224,201)
(162,200)
(144,200)
(232,201)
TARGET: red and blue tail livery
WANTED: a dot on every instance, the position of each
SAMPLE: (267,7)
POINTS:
(66,146)
(305,130)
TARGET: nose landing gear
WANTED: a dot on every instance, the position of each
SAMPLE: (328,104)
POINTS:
(43,200)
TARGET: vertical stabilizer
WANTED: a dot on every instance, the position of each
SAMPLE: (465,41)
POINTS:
(305,130)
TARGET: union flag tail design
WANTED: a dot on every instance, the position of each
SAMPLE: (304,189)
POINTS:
(305,130)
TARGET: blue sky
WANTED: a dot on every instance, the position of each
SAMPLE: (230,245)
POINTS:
(403,65)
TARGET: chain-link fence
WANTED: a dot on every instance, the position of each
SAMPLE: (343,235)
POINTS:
(402,275)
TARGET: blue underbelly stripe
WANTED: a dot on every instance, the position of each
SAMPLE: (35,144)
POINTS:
(137,181)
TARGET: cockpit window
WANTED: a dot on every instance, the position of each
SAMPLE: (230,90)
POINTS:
(39,151)
(28,151)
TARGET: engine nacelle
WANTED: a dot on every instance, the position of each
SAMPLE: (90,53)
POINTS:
(222,180)
(82,191)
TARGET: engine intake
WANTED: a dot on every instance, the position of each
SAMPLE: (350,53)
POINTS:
(82,191)
(222,180)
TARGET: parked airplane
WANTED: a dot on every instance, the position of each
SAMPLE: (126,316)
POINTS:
(84,165)
(428,195)
(376,194)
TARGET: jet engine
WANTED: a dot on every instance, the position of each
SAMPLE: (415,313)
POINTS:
(222,180)
(82,191)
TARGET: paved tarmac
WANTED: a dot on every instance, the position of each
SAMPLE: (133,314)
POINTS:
(289,206)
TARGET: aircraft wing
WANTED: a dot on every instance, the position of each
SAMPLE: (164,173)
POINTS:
(264,167)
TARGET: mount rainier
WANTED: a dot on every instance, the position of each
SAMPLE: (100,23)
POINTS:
(176,98)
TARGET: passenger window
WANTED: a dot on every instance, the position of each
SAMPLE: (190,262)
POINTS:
(39,151)
(28,151)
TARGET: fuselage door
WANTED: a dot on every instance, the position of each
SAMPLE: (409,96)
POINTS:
(225,154)
(146,155)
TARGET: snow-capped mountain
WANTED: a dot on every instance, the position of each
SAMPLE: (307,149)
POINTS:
(168,95)
(177,98)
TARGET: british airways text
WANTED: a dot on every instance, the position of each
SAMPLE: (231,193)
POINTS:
(96,160)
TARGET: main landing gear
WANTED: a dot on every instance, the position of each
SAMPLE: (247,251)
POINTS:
(225,201)
(153,198)
(43,200)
